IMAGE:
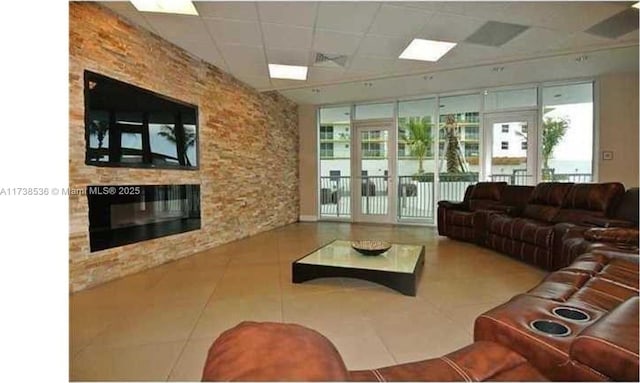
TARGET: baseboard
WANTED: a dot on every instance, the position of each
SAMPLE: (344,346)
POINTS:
(308,218)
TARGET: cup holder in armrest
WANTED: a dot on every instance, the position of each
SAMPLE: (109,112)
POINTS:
(571,314)
(550,328)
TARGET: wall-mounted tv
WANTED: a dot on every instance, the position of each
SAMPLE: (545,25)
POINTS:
(127,126)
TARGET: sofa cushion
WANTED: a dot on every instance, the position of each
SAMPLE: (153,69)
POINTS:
(488,190)
(546,200)
(522,229)
(589,200)
(550,193)
(595,197)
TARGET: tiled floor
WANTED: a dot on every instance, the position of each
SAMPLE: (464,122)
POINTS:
(158,325)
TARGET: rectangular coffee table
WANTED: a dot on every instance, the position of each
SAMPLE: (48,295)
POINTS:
(398,268)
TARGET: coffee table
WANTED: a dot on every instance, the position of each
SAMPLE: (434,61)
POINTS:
(398,268)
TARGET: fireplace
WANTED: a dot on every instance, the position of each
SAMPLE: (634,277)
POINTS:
(124,214)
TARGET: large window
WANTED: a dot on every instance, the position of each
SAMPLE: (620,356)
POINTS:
(566,147)
(335,161)
(444,144)
(416,163)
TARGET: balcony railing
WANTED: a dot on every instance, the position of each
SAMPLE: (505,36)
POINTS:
(527,179)
(415,194)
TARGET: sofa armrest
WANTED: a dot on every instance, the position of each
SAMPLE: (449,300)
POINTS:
(620,236)
(607,222)
(610,345)
(254,351)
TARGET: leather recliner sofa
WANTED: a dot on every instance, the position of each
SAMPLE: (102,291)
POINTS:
(604,346)
(530,223)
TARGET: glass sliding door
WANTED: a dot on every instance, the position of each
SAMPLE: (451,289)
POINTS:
(335,162)
(373,187)
(416,159)
(458,145)
(511,147)
(566,139)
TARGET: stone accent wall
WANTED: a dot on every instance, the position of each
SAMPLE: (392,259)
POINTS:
(248,146)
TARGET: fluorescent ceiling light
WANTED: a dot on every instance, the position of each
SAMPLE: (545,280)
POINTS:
(289,72)
(636,5)
(426,50)
(181,7)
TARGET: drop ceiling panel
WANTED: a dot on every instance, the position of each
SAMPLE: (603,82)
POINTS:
(245,60)
(129,12)
(227,9)
(366,65)
(564,16)
(617,25)
(258,82)
(178,27)
(287,37)
(335,42)
(440,28)
(352,17)
(234,31)
(495,34)
(289,13)
(289,56)
(317,75)
(390,47)
(205,50)
(534,40)
(398,21)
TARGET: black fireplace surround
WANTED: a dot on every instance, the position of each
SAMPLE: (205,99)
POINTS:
(124,214)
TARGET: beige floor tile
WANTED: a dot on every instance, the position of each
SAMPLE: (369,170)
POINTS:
(190,363)
(151,362)
(248,280)
(152,324)
(221,315)
(465,315)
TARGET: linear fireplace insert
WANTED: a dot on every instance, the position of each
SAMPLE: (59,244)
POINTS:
(124,214)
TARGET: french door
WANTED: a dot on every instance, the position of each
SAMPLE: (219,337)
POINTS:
(511,147)
(373,168)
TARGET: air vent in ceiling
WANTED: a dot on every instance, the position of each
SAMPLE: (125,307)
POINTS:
(494,33)
(330,60)
(617,25)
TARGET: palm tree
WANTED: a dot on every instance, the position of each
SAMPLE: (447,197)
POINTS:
(169,133)
(455,159)
(417,135)
(99,128)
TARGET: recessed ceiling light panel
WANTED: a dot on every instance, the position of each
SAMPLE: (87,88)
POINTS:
(636,5)
(288,72)
(180,7)
(426,50)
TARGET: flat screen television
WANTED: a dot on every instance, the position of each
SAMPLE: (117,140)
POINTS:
(128,126)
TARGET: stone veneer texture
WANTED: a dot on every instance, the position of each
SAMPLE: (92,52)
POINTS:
(248,146)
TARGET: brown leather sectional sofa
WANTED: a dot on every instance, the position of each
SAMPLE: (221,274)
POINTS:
(532,224)
(601,286)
